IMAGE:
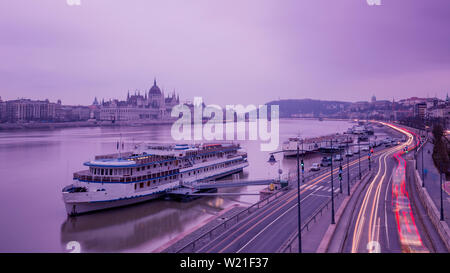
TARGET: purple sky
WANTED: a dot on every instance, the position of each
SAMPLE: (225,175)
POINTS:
(227,51)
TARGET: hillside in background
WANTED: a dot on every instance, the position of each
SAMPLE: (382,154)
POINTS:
(309,107)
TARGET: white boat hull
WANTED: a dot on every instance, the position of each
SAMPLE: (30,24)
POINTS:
(78,208)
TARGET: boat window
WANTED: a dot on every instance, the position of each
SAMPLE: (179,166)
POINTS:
(103,171)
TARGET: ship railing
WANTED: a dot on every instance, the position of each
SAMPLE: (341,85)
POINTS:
(113,156)
(100,179)
(90,178)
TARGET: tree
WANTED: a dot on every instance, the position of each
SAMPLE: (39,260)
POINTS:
(438,132)
(440,154)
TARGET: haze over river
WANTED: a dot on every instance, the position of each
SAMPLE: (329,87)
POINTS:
(36,165)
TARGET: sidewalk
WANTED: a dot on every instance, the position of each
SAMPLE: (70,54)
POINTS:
(432,180)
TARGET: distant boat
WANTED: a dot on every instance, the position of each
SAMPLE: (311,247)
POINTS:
(320,119)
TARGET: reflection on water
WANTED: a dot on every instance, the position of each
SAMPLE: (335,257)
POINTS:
(134,227)
(36,165)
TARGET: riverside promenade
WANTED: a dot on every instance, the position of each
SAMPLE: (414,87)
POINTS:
(432,180)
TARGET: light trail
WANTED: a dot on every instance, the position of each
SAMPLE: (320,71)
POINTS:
(373,194)
(410,239)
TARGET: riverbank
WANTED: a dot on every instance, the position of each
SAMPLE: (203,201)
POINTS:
(73,124)
(94,123)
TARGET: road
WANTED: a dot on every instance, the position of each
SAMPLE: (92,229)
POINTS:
(385,217)
(267,229)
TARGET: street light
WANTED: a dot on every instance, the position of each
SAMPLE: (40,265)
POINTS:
(298,202)
(340,176)
(359,159)
(423,173)
(415,151)
(348,170)
(442,201)
(303,166)
(332,186)
(272,161)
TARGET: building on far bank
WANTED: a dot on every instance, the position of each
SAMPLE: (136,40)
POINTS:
(2,110)
(153,105)
(67,113)
(25,110)
(411,101)
(420,110)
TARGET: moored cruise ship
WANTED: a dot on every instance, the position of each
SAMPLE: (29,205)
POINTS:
(148,172)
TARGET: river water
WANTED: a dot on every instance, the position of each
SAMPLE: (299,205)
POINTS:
(36,165)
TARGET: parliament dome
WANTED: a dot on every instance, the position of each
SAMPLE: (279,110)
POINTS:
(154,90)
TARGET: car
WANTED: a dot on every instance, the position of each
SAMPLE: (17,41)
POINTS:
(315,167)
(365,148)
(326,161)
(338,157)
(388,144)
(348,153)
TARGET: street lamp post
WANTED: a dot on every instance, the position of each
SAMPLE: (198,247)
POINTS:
(332,186)
(348,171)
(423,172)
(303,169)
(298,202)
(416,141)
(359,159)
(442,200)
(340,176)
(272,161)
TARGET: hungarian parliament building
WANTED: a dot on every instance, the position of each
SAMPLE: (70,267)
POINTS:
(151,106)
